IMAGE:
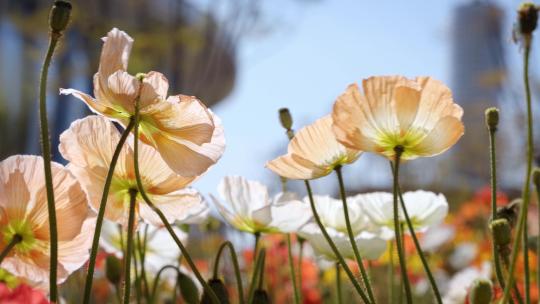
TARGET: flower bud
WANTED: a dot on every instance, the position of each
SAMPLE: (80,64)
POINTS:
(219,289)
(285,118)
(510,212)
(59,16)
(260,297)
(481,292)
(113,269)
(188,289)
(527,18)
(502,233)
(536,177)
(492,118)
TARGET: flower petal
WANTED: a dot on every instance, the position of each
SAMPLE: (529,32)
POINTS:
(444,135)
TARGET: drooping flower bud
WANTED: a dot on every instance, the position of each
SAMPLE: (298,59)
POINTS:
(481,292)
(536,177)
(285,118)
(510,212)
(260,297)
(219,289)
(59,16)
(188,289)
(113,269)
(492,118)
(502,233)
(527,18)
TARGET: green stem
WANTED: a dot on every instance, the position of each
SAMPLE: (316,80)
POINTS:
(137,281)
(338,285)
(506,262)
(391,281)
(234,258)
(397,227)
(538,237)
(157,278)
(101,212)
(291,267)
(46,152)
(365,277)
(162,217)
(129,250)
(141,244)
(260,283)
(522,219)
(419,250)
(301,242)
(332,245)
(16,239)
(255,277)
(252,284)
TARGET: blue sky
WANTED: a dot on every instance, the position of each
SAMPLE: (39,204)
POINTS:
(313,52)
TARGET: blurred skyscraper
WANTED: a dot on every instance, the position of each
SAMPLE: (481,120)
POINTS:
(478,73)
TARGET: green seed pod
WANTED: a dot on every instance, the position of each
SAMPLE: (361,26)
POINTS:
(219,289)
(260,297)
(481,292)
(59,16)
(113,269)
(188,289)
(492,118)
(536,177)
(527,18)
(285,118)
(502,233)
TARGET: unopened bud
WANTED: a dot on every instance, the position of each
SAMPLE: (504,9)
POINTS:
(219,289)
(481,292)
(502,233)
(285,118)
(492,118)
(527,18)
(59,16)
(536,177)
(260,297)
(113,269)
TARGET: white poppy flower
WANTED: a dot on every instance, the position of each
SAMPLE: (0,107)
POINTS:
(370,246)
(425,209)
(332,215)
(460,283)
(160,248)
(252,210)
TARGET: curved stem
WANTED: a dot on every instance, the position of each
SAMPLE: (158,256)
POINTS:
(101,213)
(16,239)
(522,219)
(129,250)
(46,152)
(236,266)
(419,251)
(338,285)
(397,228)
(354,246)
(291,267)
(330,242)
(157,278)
(160,214)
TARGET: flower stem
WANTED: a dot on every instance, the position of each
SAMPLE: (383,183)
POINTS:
(160,214)
(129,250)
(101,212)
(16,239)
(336,252)
(46,152)
(338,285)
(522,219)
(255,277)
(391,281)
(365,277)
(301,242)
(538,237)
(291,267)
(157,278)
(397,226)
(236,266)
(419,251)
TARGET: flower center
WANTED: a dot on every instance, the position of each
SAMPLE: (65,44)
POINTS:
(23,230)
(408,141)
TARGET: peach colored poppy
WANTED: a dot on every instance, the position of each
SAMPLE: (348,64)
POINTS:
(188,136)
(313,152)
(89,144)
(23,212)
(419,115)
